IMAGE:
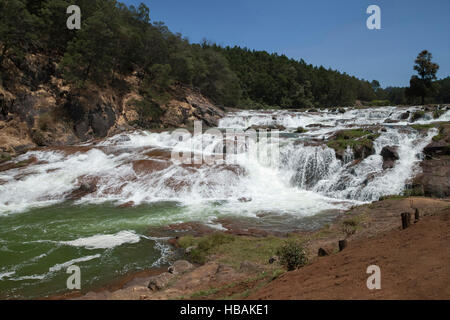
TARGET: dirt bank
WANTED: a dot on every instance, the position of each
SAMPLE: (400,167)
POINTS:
(414,265)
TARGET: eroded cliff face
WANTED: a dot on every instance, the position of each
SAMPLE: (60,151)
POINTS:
(38,109)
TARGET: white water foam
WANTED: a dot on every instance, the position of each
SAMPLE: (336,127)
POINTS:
(308,180)
(104,241)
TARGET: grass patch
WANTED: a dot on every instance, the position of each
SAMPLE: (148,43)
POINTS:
(354,138)
(420,127)
(231,249)
(301,130)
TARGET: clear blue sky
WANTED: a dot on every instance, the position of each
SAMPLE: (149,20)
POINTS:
(322,32)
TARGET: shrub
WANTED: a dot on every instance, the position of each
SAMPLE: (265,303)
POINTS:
(292,255)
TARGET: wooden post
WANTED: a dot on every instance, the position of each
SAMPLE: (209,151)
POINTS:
(342,244)
(406,220)
(322,252)
(416,216)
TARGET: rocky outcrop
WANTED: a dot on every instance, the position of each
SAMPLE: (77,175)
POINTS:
(38,109)
(434,181)
(390,155)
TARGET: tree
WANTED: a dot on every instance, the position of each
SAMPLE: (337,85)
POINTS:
(422,85)
(16,30)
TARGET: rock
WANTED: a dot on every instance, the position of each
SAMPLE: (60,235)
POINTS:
(434,181)
(341,110)
(174,242)
(128,204)
(322,252)
(273,259)
(417,115)
(84,189)
(390,155)
(160,282)
(267,127)
(404,116)
(180,266)
(4,156)
(243,199)
(391,121)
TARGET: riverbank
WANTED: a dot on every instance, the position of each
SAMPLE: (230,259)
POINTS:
(238,266)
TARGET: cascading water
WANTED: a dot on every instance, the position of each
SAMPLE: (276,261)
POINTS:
(92,204)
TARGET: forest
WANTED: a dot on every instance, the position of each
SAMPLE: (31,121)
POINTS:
(116,41)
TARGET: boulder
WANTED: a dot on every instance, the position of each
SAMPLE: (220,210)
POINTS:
(322,252)
(160,282)
(404,116)
(180,266)
(390,155)
(273,259)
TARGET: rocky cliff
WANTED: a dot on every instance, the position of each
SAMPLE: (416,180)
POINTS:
(38,109)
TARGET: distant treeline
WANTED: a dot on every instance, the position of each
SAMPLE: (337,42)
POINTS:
(116,41)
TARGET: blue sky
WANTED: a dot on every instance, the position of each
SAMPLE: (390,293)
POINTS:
(322,32)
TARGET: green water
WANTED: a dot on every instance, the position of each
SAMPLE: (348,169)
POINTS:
(34,255)
(31,245)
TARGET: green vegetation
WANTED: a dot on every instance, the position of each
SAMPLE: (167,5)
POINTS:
(292,255)
(231,249)
(301,130)
(116,41)
(422,85)
(420,127)
(354,138)
(440,135)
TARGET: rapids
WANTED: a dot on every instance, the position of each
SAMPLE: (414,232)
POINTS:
(92,204)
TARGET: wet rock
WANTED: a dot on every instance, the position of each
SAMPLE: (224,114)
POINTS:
(244,199)
(267,127)
(180,266)
(390,155)
(84,189)
(434,181)
(128,204)
(161,281)
(405,116)
(417,115)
